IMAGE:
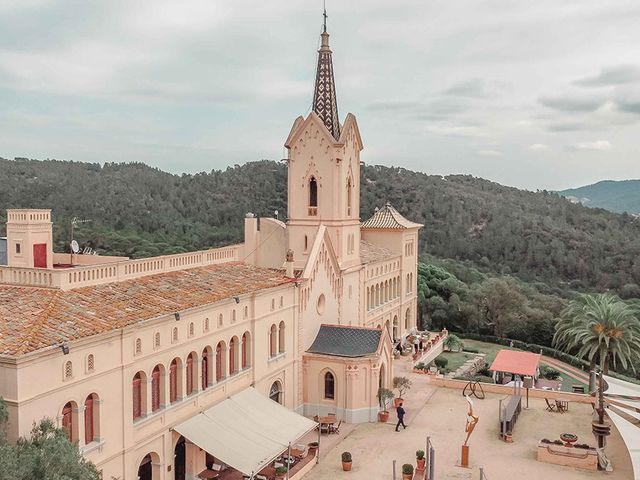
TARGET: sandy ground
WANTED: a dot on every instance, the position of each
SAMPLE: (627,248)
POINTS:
(441,414)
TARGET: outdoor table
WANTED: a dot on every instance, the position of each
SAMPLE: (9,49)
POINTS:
(326,420)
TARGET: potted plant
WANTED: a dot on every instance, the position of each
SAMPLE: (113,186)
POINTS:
(402,384)
(313,447)
(384,397)
(420,460)
(281,472)
(346,461)
(407,471)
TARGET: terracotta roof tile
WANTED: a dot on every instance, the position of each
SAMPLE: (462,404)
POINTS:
(389,217)
(373,253)
(33,318)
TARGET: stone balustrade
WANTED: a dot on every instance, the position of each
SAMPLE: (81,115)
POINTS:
(100,273)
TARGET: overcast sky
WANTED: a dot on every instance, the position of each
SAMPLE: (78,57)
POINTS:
(537,94)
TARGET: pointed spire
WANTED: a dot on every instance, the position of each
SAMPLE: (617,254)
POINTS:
(324,94)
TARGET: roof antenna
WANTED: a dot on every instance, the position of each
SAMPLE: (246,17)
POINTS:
(324,14)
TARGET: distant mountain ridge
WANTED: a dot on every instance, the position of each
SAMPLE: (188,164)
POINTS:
(614,195)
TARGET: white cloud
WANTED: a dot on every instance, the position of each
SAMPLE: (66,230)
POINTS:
(489,153)
(597,145)
(538,147)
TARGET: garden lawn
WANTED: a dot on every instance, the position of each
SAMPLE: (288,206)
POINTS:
(455,359)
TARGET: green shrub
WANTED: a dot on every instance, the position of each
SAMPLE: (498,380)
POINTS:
(419,454)
(281,470)
(407,469)
(549,373)
(470,350)
(420,366)
(346,457)
(441,362)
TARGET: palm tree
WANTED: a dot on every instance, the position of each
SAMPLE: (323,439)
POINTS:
(453,342)
(603,329)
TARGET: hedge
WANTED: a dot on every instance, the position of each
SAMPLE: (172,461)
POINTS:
(548,351)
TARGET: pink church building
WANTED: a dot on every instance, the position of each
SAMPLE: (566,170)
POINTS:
(125,354)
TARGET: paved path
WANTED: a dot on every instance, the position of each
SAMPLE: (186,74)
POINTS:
(441,413)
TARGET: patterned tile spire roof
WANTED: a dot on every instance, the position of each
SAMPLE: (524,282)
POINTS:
(325,104)
(389,217)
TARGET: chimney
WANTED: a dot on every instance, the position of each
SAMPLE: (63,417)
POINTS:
(289,264)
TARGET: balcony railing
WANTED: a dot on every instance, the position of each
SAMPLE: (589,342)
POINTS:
(87,275)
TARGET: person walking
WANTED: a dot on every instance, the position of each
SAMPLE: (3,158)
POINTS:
(400,412)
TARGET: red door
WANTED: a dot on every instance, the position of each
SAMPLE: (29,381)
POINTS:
(40,255)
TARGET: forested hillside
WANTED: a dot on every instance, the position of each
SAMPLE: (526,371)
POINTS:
(140,211)
(617,196)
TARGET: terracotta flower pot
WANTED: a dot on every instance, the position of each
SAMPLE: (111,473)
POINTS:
(407,476)
(346,466)
(421,463)
(383,417)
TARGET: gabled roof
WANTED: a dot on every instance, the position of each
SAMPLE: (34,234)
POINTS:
(512,361)
(33,318)
(346,341)
(388,217)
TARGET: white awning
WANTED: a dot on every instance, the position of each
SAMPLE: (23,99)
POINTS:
(631,436)
(246,431)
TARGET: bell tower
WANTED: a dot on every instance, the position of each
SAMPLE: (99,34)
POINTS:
(324,171)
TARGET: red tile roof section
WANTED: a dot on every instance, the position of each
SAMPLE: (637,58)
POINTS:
(520,363)
(33,318)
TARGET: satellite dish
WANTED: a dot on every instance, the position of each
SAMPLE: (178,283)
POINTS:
(75,248)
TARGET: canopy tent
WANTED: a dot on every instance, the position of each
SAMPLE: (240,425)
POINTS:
(631,436)
(624,400)
(246,431)
(519,363)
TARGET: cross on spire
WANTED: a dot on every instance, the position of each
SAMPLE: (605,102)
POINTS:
(325,104)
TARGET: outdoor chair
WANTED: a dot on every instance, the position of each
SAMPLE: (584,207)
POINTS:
(550,406)
(562,406)
(334,428)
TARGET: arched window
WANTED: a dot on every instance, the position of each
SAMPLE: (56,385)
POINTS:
(407,319)
(281,338)
(139,394)
(68,370)
(275,393)
(349,192)
(156,340)
(313,192)
(174,381)
(68,421)
(220,370)
(273,338)
(206,325)
(245,350)
(329,386)
(220,320)
(192,329)
(246,312)
(395,328)
(90,363)
(174,335)
(233,349)
(155,388)
(190,363)
(138,346)
(91,419)
(204,381)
